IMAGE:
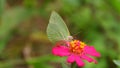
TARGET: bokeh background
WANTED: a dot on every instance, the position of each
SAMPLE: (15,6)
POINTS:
(23,39)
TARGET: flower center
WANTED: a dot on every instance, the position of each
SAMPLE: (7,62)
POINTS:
(76,46)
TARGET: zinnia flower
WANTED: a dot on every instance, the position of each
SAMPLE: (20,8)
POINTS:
(76,51)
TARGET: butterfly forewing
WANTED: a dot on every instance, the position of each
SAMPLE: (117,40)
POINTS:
(57,29)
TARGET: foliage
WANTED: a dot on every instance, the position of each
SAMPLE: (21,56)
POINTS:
(23,24)
(117,62)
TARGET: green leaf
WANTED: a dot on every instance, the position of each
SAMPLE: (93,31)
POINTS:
(36,62)
(2,6)
(115,4)
(117,62)
(9,20)
(57,29)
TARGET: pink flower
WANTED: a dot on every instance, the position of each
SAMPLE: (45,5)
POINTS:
(76,51)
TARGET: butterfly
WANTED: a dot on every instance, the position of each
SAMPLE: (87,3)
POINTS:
(57,29)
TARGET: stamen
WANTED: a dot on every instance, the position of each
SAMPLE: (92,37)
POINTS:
(76,46)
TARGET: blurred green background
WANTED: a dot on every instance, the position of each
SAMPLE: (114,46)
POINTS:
(23,39)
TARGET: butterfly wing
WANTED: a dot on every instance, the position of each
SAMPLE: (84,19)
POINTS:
(57,29)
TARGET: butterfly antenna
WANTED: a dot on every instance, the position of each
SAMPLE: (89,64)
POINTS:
(76,33)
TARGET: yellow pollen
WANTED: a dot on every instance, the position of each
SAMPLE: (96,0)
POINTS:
(76,46)
(73,45)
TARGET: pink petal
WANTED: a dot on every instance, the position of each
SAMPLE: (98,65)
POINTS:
(88,58)
(79,61)
(91,51)
(71,58)
(60,51)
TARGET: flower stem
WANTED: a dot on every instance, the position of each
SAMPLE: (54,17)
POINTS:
(74,65)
